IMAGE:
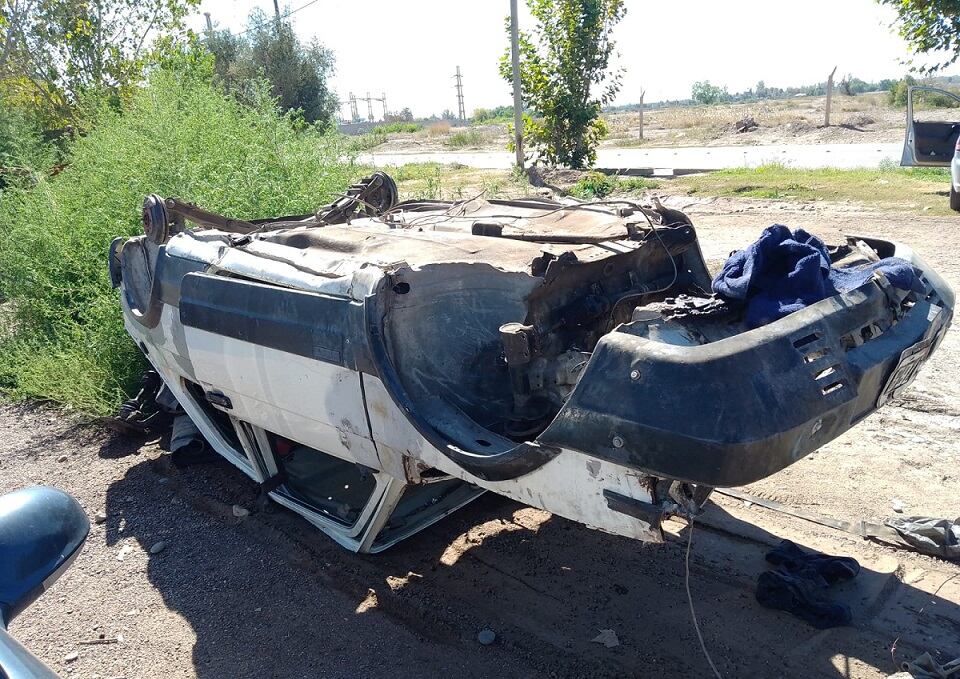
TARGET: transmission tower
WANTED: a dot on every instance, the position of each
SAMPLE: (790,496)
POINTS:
(353,105)
(354,113)
(460,109)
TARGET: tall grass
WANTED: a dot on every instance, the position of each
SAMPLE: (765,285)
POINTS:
(61,334)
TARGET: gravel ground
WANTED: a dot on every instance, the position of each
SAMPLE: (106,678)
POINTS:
(269,596)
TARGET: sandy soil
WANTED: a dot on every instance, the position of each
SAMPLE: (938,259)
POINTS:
(866,118)
(268,596)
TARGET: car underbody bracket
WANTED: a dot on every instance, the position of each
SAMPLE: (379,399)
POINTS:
(650,514)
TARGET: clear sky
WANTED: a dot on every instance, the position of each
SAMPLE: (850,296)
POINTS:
(410,49)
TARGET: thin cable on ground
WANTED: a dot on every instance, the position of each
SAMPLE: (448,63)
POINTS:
(693,613)
(933,600)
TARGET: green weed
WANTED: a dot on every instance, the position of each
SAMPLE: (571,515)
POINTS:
(61,332)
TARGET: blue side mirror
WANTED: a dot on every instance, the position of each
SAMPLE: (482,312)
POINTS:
(41,532)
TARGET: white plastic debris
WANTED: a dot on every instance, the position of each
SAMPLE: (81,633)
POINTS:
(607,637)
(898,505)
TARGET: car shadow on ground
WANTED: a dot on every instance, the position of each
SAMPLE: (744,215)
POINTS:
(269,595)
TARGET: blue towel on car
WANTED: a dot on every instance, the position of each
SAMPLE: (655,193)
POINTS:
(785,271)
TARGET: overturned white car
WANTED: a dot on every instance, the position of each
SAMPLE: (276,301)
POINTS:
(377,365)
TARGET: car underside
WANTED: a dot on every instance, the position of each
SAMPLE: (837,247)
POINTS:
(379,364)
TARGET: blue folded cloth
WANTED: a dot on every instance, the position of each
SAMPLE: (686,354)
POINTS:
(785,271)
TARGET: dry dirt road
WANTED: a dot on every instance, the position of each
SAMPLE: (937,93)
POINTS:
(268,596)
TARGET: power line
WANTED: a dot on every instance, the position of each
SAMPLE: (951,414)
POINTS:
(283,16)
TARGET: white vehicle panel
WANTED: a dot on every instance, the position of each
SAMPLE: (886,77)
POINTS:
(311,402)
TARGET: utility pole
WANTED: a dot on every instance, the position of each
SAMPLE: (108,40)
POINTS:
(369,105)
(460,109)
(826,114)
(209,23)
(517,99)
(383,100)
(276,10)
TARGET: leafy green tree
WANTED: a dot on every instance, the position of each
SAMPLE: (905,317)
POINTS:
(55,55)
(565,77)
(929,26)
(898,91)
(705,93)
(297,72)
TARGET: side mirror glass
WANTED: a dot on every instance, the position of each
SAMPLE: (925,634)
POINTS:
(41,532)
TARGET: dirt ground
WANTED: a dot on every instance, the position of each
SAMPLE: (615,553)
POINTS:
(862,119)
(269,596)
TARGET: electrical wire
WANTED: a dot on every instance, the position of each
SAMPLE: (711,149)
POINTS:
(676,271)
(693,613)
(587,207)
(282,16)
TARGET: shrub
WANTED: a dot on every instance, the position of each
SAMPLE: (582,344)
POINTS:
(62,336)
(594,185)
(23,152)
(439,128)
(923,99)
(397,127)
(464,138)
(486,116)
(366,141)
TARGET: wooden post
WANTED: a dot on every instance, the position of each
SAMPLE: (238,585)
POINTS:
(642,93)
(826,114)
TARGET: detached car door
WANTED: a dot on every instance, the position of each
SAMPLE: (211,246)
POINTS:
(929,143)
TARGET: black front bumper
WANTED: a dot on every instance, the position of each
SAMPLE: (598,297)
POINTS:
(740,409)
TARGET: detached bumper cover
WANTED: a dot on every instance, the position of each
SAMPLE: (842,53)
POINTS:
(737,410)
